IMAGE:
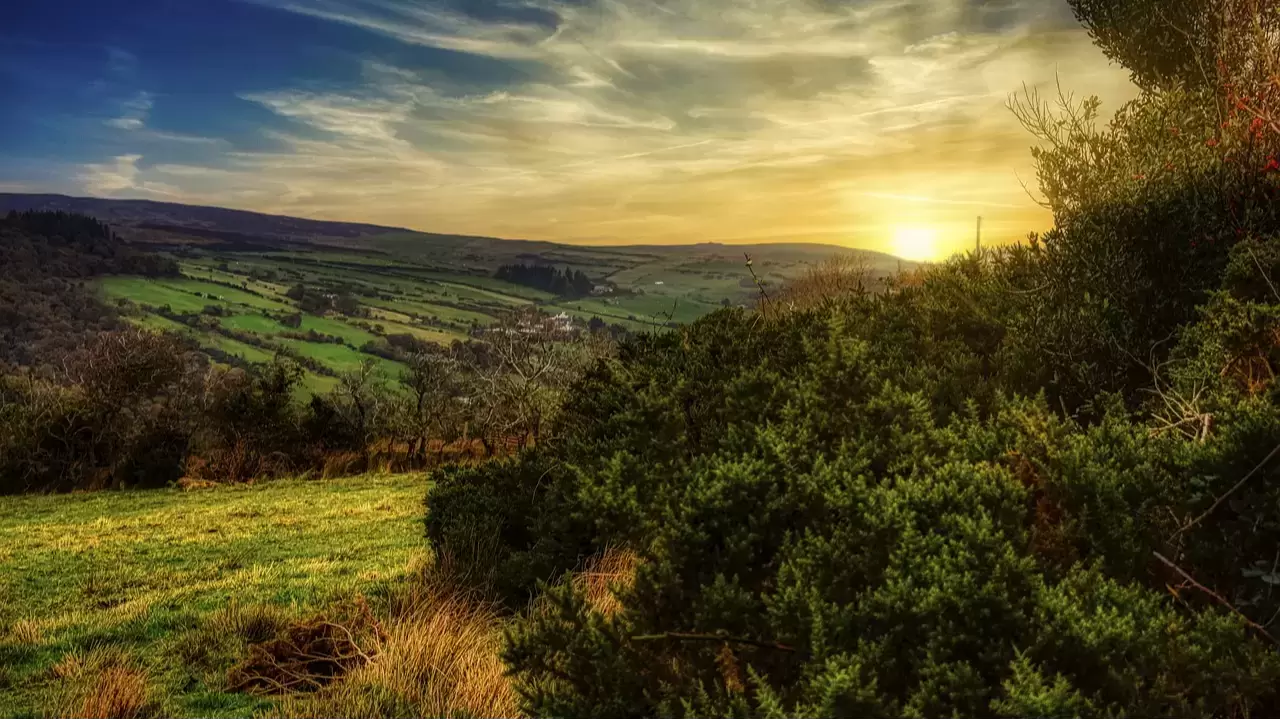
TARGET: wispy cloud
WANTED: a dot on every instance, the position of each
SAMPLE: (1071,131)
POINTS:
(666,120)
(133,112)
(122,175)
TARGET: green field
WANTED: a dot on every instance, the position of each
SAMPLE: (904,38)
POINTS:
(342,358)
(250,353)
(164,580)
(260,324)
(436,289)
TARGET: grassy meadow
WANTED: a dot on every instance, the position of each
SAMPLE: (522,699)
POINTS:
(157,593)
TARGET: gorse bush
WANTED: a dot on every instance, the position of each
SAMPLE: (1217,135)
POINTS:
(815,524)
(1039,480)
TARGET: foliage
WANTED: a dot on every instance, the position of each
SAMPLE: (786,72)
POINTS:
(1037,480)
(45,308)
(566,283)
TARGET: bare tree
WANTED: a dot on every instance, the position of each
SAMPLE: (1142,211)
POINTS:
(432,380)
(515,392)
(369,407)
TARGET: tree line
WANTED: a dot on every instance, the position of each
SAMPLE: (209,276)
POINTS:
(565,283)
(48,260)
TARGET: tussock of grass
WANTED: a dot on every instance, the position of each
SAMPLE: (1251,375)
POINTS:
(101,683)
(25,632)
(437,656)
(603,575)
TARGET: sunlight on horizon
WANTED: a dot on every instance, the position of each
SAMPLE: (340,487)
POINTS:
(916,242)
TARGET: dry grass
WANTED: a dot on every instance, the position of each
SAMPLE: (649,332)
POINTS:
(345,464)
(102,683)
(437,651)
(834,278)
(438,656)
(602,575)
(25,632)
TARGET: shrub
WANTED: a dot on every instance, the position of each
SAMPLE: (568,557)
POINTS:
(839,516)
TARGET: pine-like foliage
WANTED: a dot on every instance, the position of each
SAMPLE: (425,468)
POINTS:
(1035,481)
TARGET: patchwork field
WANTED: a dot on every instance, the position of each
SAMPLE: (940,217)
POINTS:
(165,588)
(239,293)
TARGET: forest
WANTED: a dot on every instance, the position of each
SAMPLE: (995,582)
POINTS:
(1033,480)
(568,283)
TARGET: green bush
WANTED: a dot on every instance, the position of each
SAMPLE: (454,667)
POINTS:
(1037,480)
(785,484)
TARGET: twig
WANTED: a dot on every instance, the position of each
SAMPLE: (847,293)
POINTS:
(707,637)
(1263,272)
(1228,493)
(1213,594)
(759,282)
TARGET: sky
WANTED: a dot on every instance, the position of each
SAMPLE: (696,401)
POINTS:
(878,124)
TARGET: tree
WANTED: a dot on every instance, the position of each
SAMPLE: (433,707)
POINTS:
(365,403)
(432,378)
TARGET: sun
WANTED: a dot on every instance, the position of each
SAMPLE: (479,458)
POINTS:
(913,242)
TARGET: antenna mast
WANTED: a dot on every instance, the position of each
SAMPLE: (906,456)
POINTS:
(978,246)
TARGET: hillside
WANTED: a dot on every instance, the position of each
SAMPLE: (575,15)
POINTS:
(225,229)
(237,267)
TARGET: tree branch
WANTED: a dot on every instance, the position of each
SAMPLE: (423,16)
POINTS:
(1228,493)
(1221,600)
(710,637)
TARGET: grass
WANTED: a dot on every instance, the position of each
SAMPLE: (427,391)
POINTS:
(430,334)
(180,294)
(440,312)
(225,295)
(334,326)
(259,324)
(144,599)
(250,353)
(439,658)
(146,291)
(445,281)
(342,358)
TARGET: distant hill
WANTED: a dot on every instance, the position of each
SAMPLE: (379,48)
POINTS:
(225,229)
(137,213)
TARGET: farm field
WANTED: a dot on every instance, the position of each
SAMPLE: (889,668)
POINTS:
(168,586)
(247,305)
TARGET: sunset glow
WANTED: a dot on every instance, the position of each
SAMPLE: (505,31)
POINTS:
(915,243)
(597,121)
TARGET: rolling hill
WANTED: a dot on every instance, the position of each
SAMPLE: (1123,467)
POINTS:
(240,269)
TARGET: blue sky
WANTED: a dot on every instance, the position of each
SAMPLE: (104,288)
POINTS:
(850,121)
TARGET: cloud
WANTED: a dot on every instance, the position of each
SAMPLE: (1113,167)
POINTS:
(122,177)
(133,112)
(667,120)
(121,64)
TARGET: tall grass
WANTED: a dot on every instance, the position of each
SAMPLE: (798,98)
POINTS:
(439,653)
(102,683)
(438,657)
